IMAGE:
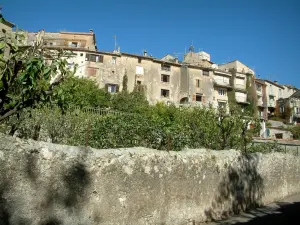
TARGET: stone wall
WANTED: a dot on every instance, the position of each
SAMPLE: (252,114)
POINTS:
(47,184)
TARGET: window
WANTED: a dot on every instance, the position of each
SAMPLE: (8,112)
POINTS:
(91,71)
(139,70)
(197,83)
(81,54)
(280,93)
(281,109)
(114,60)
(74,44)
(139,60)
(165,67)
(165,78)
(51,44)
(139,82)
(205,73)
(164,93)
(258,87)
(112,88)
(94,58)
(198,98)
(222,92)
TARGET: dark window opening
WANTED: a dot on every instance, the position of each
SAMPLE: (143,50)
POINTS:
(139,60)
(139,82)
(81,54)
(112,88)
(165,93)
(197,83)
(198,98)
(165,67)
(165,78)
(205,73)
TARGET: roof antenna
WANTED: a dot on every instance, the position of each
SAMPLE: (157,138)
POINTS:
(115,37)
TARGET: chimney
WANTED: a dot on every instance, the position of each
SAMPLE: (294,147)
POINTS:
(145,53)
(176,60)
(91,31)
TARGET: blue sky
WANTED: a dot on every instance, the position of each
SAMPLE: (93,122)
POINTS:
(263,34)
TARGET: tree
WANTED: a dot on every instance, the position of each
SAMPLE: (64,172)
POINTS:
(125,82)
(28,74)
(82,92)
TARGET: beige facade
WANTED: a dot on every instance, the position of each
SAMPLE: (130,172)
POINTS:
(288,91)
(274,92)
(238,66)
(65,40)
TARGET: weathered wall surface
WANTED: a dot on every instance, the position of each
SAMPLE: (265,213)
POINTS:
(44,184)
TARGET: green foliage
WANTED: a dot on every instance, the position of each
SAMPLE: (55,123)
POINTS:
(295,131)
(125,82)
(28,74)
(160,127)
(81,92)
(268,124)
(134,102)
(266,147)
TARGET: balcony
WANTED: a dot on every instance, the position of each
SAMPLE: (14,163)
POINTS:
(259,92)
(241,99)
(271,104)
(222,82)
(240,86)
(271,93)
(260,103)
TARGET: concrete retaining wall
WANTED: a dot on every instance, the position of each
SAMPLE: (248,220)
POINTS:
(47,184)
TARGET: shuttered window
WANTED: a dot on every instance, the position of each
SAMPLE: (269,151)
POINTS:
(94,58)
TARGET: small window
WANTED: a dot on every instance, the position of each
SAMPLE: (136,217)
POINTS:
(165,93)
(139,60)
(114,60)
(73,44)
(198,98)
(197,83)
(112,88)
(281,109)
(222,92)
(165,78)
(205,73)
(258,87)
(139,70)
(139,82)
(81,54)
(51,44)
(165,67)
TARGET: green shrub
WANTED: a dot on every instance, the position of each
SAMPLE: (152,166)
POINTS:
(295,131)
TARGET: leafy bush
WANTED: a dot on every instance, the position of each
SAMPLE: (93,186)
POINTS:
(295,131)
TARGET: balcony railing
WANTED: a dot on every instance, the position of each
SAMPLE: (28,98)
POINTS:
(222,82)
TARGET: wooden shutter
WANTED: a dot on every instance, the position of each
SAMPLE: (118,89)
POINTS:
(101,58)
